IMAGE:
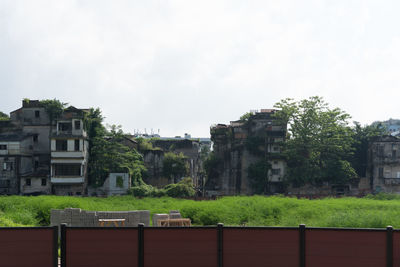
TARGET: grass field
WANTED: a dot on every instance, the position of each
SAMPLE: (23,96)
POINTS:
(371,212)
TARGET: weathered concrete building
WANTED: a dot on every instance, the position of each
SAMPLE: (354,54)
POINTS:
(384,164)
(69,154)
(244,145)
(32,148)
(153,159)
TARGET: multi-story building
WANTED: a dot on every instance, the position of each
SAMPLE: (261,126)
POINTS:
(39,156)
(383,168)
(245,145)
(69,154)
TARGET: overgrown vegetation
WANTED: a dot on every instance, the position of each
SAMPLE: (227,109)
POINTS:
(184,188)
(319,143)
(370,212)
(175,166)
(108,154)
(4,116)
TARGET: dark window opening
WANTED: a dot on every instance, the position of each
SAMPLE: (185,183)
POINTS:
(4,183)
(276,171)
(77,145)
(28,182)
(61,145)
(394,154)
(77,125)
(44,182)
(3,147)
(67,170)
(64,126)
(36,138)
(380,150)
(380,174)
(37,114)
(36,164)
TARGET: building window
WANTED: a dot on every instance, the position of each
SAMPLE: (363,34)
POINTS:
(119,181)
(8,166)
(276,171)
(64,126)
(61,145)
(36,164)
(4,166)
(28,182)
(3,147)
(77,125)
(67,169)
(36,138)
(76,144)
(37,114)
(44,182)
(394,154)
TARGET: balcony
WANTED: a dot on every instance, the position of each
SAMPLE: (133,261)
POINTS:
(68,154)
(67,180)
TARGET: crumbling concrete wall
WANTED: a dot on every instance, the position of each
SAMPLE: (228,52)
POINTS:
(83,218)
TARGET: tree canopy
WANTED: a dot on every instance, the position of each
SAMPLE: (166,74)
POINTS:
(107,153)
(4,116)
(53,107)
(319,142)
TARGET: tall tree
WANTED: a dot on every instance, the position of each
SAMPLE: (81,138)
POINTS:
(361,136)
(319,141)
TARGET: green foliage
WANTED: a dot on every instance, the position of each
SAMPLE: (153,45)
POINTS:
(175,166)
(258,176)
(361,136)
(107,153)
(256,145)
(212,165)
(182,189)
(245,117)
(319,143)
(370,212)
(4,116)
(53,107)
(145,144)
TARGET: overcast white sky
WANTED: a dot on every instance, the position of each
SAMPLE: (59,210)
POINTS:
(180,66)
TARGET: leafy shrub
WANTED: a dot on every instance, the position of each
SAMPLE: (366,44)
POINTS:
(182,189)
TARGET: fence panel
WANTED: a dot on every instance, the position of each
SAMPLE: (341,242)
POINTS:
(261,247)
(28,247)
(345,248)
(109,247)
(175,247)
(396,248)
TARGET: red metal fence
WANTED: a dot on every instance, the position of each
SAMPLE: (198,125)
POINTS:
(27,247)
(200,247)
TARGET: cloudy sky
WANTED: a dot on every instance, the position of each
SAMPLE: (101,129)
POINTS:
(180,66)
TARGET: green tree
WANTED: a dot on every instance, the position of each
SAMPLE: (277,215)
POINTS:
(175,166)
(361,136)
(319,142)
(107,153)
(258,176)
(4,116)
(53,107)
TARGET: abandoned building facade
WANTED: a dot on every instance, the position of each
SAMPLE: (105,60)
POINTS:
(243,144)
(40,156)
(383,170)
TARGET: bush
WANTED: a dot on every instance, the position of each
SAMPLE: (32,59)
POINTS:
(182,189)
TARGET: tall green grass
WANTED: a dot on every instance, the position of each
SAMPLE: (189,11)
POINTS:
(370,212)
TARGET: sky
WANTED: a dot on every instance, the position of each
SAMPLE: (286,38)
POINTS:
(181,66)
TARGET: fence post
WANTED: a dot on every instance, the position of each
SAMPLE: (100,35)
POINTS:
(63,245)
(220,243)
(140,245)
(55,246)
(389,246)
(302,239)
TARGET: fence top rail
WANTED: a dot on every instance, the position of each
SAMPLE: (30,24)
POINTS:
(29,228)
